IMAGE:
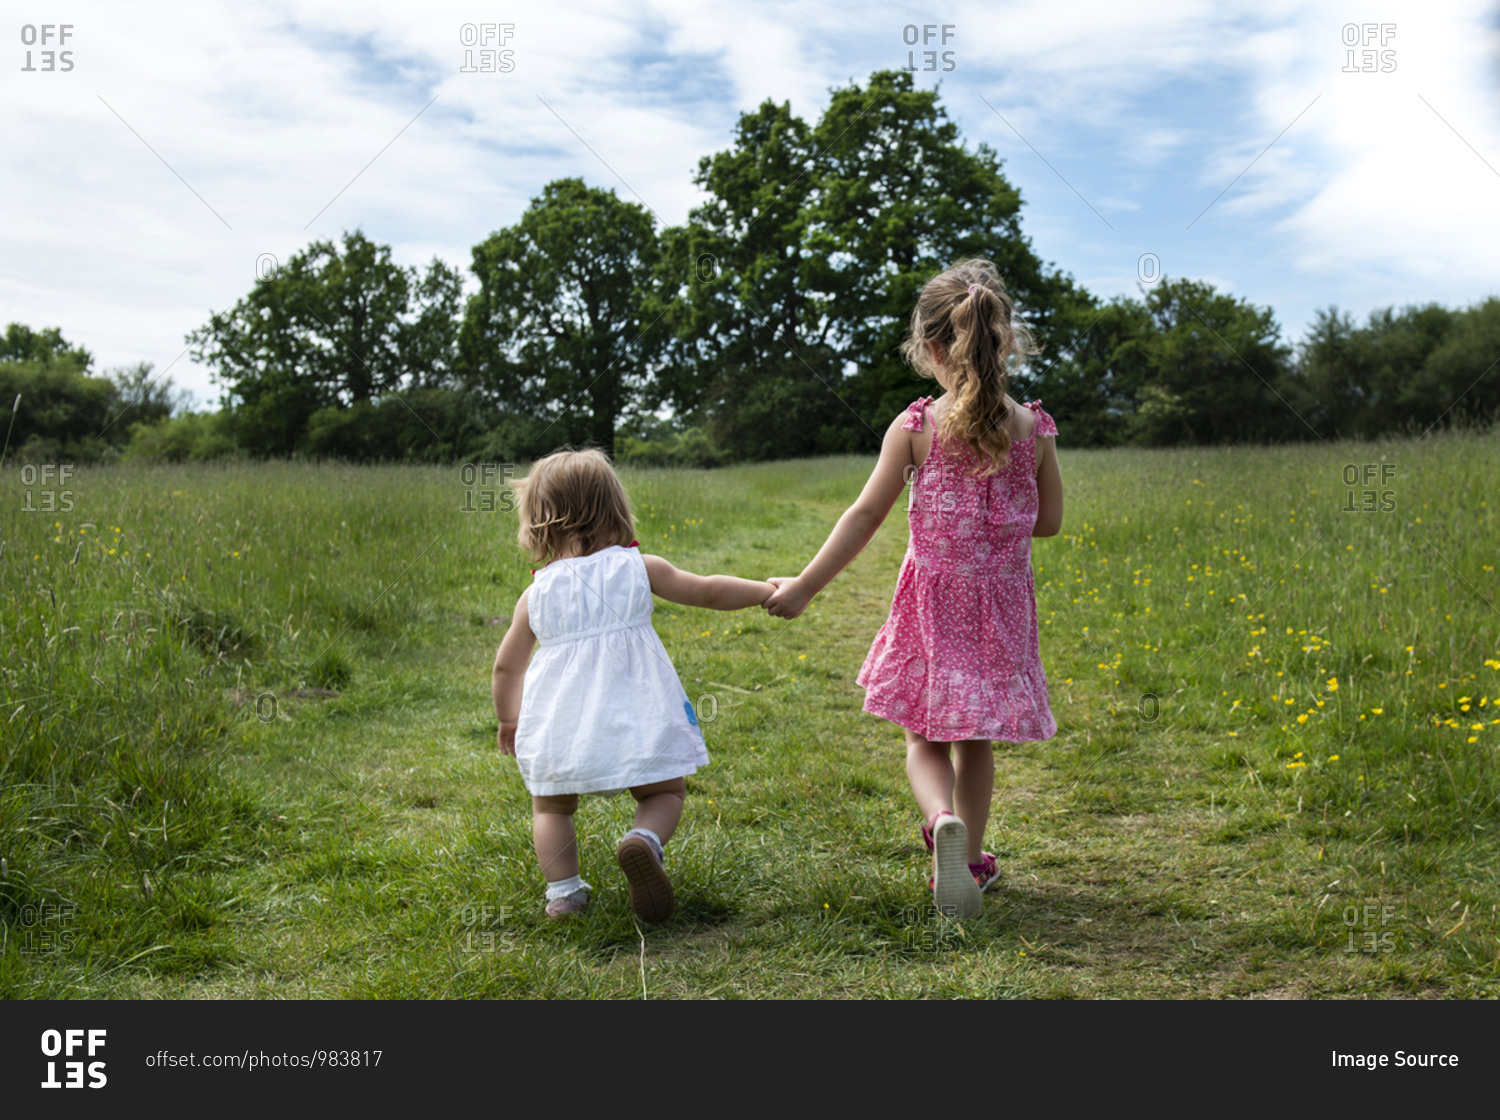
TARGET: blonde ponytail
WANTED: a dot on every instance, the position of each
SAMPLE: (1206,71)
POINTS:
(969,318)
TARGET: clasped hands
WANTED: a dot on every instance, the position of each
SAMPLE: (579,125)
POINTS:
(790,598)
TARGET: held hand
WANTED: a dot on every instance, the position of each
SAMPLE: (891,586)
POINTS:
(507,738)
(789,601)
(775,582)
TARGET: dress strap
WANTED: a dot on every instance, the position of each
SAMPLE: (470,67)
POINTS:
(916,413)
(1045,425)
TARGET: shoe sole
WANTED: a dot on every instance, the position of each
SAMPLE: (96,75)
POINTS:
(651,895)
(954,891)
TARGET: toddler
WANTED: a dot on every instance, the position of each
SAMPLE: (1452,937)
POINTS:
(599,708)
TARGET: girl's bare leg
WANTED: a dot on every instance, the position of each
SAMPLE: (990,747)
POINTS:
(966,789)
(974,785)
(552,833)
(658,806)
(930,773)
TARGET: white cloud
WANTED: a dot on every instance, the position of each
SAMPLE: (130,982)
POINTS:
(1406,194)
(1149,110)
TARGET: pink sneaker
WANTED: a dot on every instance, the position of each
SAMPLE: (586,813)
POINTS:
(927,830)
(986,872)
(569,905)
(955,892)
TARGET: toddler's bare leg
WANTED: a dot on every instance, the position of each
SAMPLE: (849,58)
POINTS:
(552,833)
(930,773)
(658,806)
(974,766)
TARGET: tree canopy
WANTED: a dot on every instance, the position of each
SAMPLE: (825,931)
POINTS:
(767,325)
(334,326)
(52,407)
(790,288)
(562,325)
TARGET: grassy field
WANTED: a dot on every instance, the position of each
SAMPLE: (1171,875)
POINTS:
(247,746)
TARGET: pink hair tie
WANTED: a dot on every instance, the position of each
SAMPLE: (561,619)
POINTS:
(973,288)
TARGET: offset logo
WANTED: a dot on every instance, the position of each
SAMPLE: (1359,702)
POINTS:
(48,35)
(497,59)
(1364,35)
(495,493)
(66,1044)
(50,497)
(926,34)
(1360,479)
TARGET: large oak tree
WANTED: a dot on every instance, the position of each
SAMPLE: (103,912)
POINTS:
(563,324)
(334,326)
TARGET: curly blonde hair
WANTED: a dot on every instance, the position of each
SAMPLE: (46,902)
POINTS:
(966,314)
(572,499)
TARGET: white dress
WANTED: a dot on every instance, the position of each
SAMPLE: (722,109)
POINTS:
(602,708)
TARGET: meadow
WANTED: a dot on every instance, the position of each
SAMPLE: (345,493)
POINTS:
(247,746)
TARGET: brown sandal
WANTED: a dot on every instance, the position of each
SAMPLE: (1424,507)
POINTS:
(651,894)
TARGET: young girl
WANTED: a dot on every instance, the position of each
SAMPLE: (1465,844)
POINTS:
(600,708)
(958,662)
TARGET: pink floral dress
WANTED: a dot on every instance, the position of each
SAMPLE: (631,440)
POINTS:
(959,657)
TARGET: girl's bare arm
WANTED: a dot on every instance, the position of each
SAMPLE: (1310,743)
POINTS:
(720,593)
(854,528)
(1049,489)
(510,671)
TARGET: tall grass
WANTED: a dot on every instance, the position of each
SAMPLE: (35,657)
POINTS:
(246,746)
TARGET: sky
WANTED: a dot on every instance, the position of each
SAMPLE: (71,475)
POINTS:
(1299,156)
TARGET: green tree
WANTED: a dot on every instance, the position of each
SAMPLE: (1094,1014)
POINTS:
(46,346)
(901,197)
(1331,372)
(428,344)
(1216,371)
(50,406)
(1094,380)
(190,436)
(818,240)
(750,350)
(334,326)
(61,412)
(1461,377)
(562,325)
(1387,375)
(144,397)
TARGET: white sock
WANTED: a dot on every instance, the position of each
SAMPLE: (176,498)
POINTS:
(561,888)
(657,846)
